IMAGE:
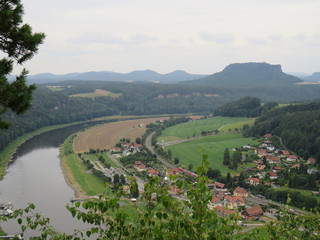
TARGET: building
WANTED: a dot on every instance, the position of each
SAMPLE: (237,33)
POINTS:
(312,161)
(273,175)
(153,172)
(239,191)
(292,158)
(253,181)
(223,211)
(233,202)
(253,212)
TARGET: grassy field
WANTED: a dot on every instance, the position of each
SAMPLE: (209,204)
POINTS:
(95,158)
(77,174)
(190,129)
(107,135)
(97,93)
(214,146)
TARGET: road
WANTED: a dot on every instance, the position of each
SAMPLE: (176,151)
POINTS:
(140,182)
(161,159)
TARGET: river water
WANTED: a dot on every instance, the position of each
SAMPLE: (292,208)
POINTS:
(35,176)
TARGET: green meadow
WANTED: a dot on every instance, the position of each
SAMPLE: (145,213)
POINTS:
(190,129)
(214,146)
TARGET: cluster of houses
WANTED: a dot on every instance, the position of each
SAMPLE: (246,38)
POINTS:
(276,158)
(128,148)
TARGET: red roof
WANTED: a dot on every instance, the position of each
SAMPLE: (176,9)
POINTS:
(268,135)
(253,179)
(224,210)
(254,211)
(273,174)
(261,151)
(312,161)
(174,171)
(296,166)
(219,185)
(216,199)
(153,172)
(277,168)
(292,157)
(137,163)
(285,152)
(142,166)
(240,190)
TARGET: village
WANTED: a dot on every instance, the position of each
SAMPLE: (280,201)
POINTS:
(253,209)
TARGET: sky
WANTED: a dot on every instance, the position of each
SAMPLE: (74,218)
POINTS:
(197,36)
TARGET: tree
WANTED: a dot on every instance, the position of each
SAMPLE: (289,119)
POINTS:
(138,140)
(122,179)
(19,44)
(134,190)
(226,157)
(116,178)
(190,166)
(176,160)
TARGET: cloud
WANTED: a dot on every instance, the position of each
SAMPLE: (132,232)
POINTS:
(217,37)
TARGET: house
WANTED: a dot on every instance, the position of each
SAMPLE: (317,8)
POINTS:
(312,161)
(272,159)
(153,172)
(137,163)
(173,171)
(268,136)
(272,211)
(253,212)
(292,158)
(260,152)
(296,166)
(219,185)
(233,202)
(277,168)
(285,153)
(216,201)
(223,211)
(260,167)
(141,168)
(273,175)
(253,181)
(239,191)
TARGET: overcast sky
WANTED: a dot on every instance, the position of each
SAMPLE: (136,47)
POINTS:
(198,36)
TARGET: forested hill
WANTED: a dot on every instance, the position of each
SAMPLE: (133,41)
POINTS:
(244,107)
(249,74)
(297,125)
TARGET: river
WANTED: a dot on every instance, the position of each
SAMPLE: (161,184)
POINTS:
(35,176)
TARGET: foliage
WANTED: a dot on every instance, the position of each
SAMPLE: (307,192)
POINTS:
(298,126)
(19,44)
(164,217)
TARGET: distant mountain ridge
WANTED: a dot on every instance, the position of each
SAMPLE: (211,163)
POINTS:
(134,76)
(248,74)
(315,77)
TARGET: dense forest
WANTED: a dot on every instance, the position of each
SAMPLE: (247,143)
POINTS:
(244,107)
(56,107)
(297,126)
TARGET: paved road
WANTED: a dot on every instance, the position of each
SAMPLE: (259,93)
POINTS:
(140,182)
(161,159)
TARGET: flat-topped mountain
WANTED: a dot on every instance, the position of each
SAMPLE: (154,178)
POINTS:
(134,76)
(248,74)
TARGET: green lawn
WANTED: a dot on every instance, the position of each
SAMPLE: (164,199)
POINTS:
(97,93)
(214,146)
(189,129)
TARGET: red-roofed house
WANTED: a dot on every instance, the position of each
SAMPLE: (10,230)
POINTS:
(273,159)
(277,168)
(296,165)
(141,168)
(137,163)
(219,185)
(260,152)
(233,202)
(239,191)
(223,211)
(312,161)
(174,190)
(253,212)
(253,181)
(273,175)
(173,171)
(260,167)
(216,201)
(268,136)
(292,158)
(153,172)
(285,153)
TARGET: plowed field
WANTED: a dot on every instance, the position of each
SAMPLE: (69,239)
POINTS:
(107,135)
